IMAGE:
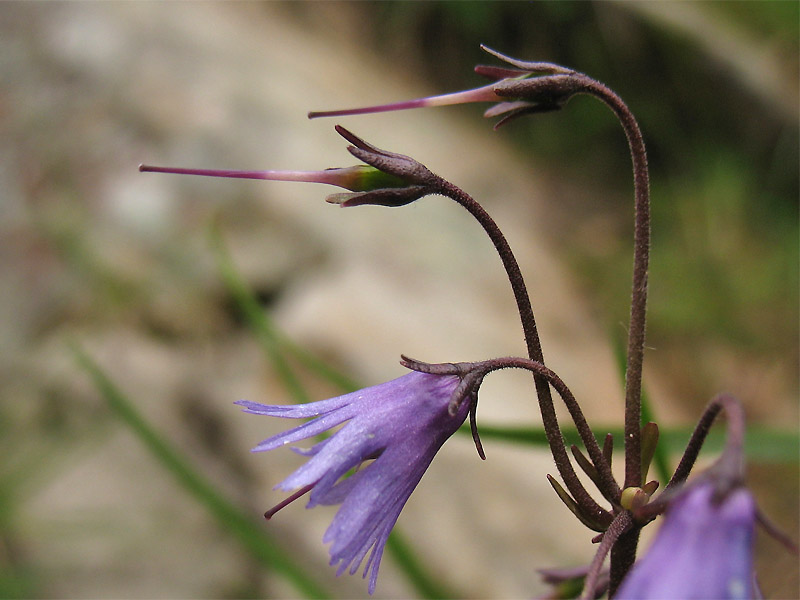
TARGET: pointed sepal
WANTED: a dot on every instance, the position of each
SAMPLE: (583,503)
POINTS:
(649,443)
(568,501)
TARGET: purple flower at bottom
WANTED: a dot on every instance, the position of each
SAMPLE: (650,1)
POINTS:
(703,550)
(401,424)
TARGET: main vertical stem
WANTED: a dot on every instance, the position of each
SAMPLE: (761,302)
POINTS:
(623,555)
(641,254)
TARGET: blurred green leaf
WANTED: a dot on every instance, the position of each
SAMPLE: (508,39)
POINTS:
(762,444)
(256,319)
(412,567)
(18,583)
(275,345)
(227,515)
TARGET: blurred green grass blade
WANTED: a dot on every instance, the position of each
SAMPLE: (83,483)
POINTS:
(256,319)
(228,516)
(412,567)
(762,444)
(19,583)
(532,436)
(661,456)
(274,343)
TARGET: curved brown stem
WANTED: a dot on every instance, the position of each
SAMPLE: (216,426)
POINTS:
(623,555)
(608,485)
(731,457)
(534,347)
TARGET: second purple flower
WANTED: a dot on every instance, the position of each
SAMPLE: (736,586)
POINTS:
(703,550)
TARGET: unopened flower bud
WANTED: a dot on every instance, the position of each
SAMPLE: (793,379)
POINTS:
(523,88)
(388,179)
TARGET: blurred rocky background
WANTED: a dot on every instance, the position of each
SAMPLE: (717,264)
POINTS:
(125,266)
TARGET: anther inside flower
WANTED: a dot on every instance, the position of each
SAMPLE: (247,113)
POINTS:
(398,426)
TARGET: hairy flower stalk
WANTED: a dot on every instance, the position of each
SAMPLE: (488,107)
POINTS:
(532,87)
(389,435)
(472,377)
(413,171)
(589,506)
(549,419)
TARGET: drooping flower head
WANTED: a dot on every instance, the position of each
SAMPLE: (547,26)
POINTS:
(522,88)
(389,435)
(703,550)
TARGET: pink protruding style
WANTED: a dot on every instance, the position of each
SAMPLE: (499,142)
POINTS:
(344,177)
(481,94)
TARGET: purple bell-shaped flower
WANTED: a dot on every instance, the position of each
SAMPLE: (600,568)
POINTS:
(703,550)
(390,435)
